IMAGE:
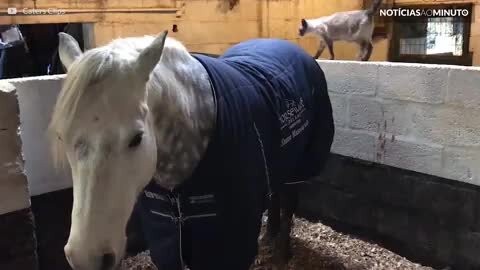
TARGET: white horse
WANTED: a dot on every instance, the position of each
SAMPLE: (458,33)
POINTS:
(111,125)
(134,110)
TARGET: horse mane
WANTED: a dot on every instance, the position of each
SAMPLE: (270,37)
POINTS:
(90,68)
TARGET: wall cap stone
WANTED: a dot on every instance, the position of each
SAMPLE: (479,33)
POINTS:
(399,64)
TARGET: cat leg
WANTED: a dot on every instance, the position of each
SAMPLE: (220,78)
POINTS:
(366,48)
(320,50)
(330,47)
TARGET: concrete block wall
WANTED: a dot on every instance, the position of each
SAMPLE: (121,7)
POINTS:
(17,244)
(36,99)
(12,175)
(430,220)
(423,118)
(49,193)
(405,168)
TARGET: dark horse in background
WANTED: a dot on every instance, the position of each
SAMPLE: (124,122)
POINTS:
(200,146)
(35,53)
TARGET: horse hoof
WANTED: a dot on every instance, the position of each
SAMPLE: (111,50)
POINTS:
(281,259)
(283,265)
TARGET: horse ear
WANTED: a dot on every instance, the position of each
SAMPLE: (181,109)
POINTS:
(68,49)
(149,57)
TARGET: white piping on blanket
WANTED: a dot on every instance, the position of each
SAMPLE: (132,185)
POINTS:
(185,217)
(202,199)
(199,216)
(264,161)
(162,214)
(180,221)
(294,183)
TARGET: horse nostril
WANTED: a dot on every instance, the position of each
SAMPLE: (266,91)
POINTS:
(108,261)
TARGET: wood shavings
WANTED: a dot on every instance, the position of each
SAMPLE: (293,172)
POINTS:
(316,247)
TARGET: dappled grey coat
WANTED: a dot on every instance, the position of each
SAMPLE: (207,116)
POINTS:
(274,125)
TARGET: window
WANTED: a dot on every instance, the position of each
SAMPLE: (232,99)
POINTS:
(434,40)
(381,23)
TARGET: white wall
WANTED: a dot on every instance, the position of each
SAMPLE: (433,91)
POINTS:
(424,118)
(14,193)
(36,97)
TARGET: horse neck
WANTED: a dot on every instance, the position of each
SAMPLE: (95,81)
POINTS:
(183,109)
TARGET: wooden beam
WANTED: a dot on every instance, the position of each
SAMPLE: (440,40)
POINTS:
(434,2)
(81,4)
(39,19)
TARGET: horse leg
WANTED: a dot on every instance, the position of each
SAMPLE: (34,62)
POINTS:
(273,221)
(288,204)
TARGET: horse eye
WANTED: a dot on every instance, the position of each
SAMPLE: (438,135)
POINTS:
(136,140)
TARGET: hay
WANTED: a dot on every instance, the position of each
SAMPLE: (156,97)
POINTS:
(319,247)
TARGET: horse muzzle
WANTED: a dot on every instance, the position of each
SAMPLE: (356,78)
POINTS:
(106,261)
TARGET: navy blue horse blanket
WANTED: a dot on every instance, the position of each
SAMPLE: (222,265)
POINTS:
(274,126)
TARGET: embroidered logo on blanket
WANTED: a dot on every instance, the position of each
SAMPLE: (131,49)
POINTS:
(292,121)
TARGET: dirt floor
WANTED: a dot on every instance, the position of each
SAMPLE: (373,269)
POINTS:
(317,247)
